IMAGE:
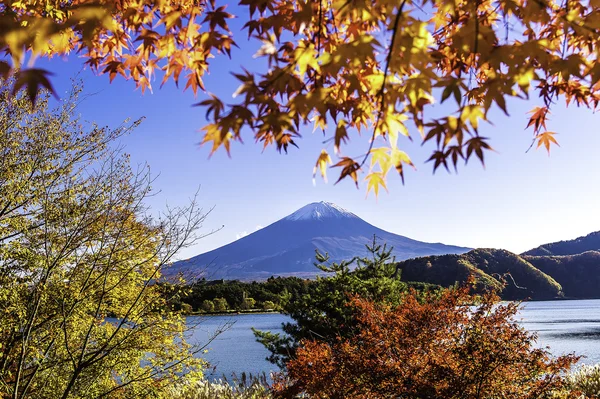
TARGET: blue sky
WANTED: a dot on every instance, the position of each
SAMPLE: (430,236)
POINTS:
(520,200)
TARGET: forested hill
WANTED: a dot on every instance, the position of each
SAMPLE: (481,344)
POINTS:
(491,268)
(560,273)
(590,242)
(579,275)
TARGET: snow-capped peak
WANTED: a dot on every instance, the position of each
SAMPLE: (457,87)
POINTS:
(320,210)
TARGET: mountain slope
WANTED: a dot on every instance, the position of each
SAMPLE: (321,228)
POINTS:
(488,267)
(287,247)
(446,270)
(590,242)
(579,275)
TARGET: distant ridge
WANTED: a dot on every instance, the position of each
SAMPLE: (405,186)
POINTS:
(564,269)
(287,247)
(493,269)
(590,242)
(579,275)
(575,264)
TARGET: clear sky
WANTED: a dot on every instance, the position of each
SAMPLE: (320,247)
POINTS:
(519,201)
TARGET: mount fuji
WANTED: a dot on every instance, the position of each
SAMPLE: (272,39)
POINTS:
(287,247)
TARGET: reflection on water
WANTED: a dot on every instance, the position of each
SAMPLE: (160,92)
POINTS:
(564,326)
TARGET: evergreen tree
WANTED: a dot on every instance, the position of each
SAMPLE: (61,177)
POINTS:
(323,312)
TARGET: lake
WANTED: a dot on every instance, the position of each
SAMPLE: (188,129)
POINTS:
(564,326)
(236,350)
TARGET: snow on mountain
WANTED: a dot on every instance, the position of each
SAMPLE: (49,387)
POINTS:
(320,210)
(287,247)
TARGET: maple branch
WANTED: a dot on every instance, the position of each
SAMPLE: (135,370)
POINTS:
(385,75)
(319,28)
(475,49)
(322,77)
(531,145)
(344,5)
(565,33)
(335,28)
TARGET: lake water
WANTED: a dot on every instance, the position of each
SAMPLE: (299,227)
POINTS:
(235,350)
(564,326)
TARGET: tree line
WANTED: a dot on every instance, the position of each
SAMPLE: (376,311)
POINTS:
(214,296)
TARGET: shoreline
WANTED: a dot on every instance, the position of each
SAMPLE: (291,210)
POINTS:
(233,312)
(273,311)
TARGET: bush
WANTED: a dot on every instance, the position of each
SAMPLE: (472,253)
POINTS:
(248,303)
(585,380)
(220,304)
(186,308)
(268,305)
(441,348)
(208,306)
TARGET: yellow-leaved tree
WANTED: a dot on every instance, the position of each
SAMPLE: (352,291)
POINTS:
(344,66)
(79,256)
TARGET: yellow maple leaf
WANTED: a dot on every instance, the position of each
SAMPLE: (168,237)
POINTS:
(374,181)
(321,165)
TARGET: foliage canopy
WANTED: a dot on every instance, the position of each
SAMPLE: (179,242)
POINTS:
(440,348)
(342,66)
